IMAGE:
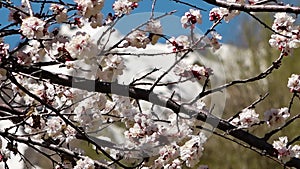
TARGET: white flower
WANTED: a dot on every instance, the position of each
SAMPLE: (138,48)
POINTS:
(284,153)
(176,164)
(192,150)
(179,43)
(33,27)
(60,13)
(294,83)
(191,18)
(81,46)
(54,127)
(3,49)
(88,8)
(137,39)
(296,150)
(85,163)
(246,118)
(276,117)
(191,71)
(182,69)
(200,71)
(217,13)
(167,153)
(283,22)
(112,66)
(124,7)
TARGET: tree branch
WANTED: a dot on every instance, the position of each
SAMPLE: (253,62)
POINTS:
(254,8)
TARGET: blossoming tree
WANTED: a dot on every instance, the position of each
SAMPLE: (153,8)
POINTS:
(52,109)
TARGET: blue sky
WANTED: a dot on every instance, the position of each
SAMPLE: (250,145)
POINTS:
(162,6)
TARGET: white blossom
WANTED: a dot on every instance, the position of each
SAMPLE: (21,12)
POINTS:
(112,66)
(33,27)
(81,46)
(192,150)
(246,118)
(294,83)
(85,163)
(191,18)
(276,117)
(124,7)
(284,153)
(54,126)
(138,39)
(60,13)
(180,43)
(88,8)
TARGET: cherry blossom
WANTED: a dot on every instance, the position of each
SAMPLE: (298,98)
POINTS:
(284,153)
(112,67)
(276,117)
(124,6)
(81,46)
(288,37)
(33,27)
(192,150)
(191,18)
(60,13)
(246,118)
(85,163)
(179,43)
(192,71)
(138,39)
(88,8)
(294,83)
(167,154)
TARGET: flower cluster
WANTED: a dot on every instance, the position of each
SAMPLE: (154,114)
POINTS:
(276,117)
(294,83)
(112,66)
(246,118)
(138,39)
(60,13)
(167,154)
(85,163)
(81,46)
(287,36)
(192,71)
(285,151)
(89,8)
(216,14)
(180,43)
(89,109)
(33,27)
(174,156)
(192,150)
(122,7)
(191,18)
